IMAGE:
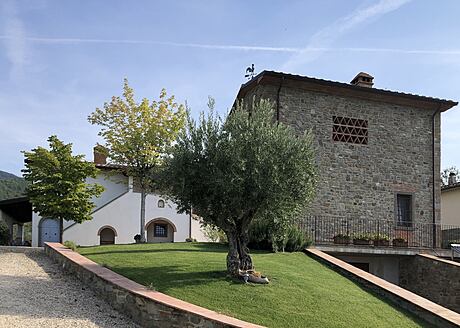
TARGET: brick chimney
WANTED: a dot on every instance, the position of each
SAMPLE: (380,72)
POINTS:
(363,80)
(452,179)
(99,155)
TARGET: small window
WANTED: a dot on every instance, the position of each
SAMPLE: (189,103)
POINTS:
(404,210)
(161,203)
(349,130)
(160,230)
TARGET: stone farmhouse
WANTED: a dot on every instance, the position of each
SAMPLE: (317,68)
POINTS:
(378,159)
(378,151)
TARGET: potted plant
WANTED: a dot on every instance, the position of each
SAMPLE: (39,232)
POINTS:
(137,238)
(400,242)
(342,239)
(381,240)
(362,239)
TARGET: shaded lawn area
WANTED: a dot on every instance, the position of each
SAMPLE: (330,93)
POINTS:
(302,292)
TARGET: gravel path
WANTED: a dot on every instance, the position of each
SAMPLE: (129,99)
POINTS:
(35,293)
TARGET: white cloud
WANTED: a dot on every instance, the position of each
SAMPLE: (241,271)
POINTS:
(230,47)
(16,44)
(326,36)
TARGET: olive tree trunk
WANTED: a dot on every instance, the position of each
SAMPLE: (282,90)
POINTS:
(238,257)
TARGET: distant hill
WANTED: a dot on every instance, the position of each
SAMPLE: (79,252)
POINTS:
(11,186)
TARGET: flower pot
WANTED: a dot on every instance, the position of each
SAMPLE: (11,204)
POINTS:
(382,242)
(341,240)
(397,243)
(365,242)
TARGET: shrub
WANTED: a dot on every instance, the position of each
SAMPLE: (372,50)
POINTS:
(70,244)
(381,237)
(296,240)
(264,236)
(4,233)
(362,236)
(137,238)
(260,236)
(214,234)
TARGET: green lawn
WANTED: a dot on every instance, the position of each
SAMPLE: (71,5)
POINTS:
(302,292)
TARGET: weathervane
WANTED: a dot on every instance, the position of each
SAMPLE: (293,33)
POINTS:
(250,72)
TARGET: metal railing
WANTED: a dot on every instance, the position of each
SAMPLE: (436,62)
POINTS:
(378,233)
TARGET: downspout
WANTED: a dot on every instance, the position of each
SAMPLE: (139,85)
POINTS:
(433,126)
(190,224)
(278,100)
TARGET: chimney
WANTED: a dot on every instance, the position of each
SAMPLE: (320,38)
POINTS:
(452,179)
(100,155)
(363,80)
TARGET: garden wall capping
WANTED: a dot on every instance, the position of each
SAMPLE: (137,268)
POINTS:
(20,249)
(411,302)
(147,307)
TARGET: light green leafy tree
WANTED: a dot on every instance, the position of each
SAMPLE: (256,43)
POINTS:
(245,168)
(57,186)
(138,135)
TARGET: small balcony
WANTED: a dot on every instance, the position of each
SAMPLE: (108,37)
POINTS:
(382,234)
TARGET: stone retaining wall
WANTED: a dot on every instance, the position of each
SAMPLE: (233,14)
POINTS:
(434,278)
(146,307)
(402,298)
(20,249)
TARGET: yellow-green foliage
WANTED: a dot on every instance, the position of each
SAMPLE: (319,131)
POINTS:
(137,135)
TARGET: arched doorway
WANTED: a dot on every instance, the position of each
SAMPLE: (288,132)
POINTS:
(49,231)
(107,235)
(160,230)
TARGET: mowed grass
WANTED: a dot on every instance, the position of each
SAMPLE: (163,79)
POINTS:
(302,292)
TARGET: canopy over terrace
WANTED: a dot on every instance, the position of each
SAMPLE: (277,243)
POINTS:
(16,211)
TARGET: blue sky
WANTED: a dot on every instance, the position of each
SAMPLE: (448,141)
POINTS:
(59,60)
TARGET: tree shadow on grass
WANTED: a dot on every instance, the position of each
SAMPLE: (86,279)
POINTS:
(165,278)
(149,248)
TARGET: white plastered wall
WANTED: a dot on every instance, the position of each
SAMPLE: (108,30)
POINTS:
(123,215)
(119,208)
(385,267)
(450,206)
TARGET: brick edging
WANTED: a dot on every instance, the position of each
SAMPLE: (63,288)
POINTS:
(147,307)
(413,303)
(436,258)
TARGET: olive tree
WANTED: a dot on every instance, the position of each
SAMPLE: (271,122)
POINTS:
(243,168)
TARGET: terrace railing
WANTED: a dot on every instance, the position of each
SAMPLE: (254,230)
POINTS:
(379,233)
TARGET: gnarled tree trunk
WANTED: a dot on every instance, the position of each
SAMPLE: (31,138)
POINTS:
(238,257)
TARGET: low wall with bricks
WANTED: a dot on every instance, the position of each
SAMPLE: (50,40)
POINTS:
(434,278)
(402,298)
(146,307)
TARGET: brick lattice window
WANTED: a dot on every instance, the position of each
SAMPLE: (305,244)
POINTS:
(350,130)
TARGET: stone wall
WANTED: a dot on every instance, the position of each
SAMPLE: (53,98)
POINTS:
(362,181)
(433,278)
(146,307)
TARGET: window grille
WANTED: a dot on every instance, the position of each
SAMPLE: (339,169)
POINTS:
(160,230)
(350,130)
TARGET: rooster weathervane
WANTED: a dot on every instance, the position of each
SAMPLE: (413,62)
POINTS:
(250,72)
